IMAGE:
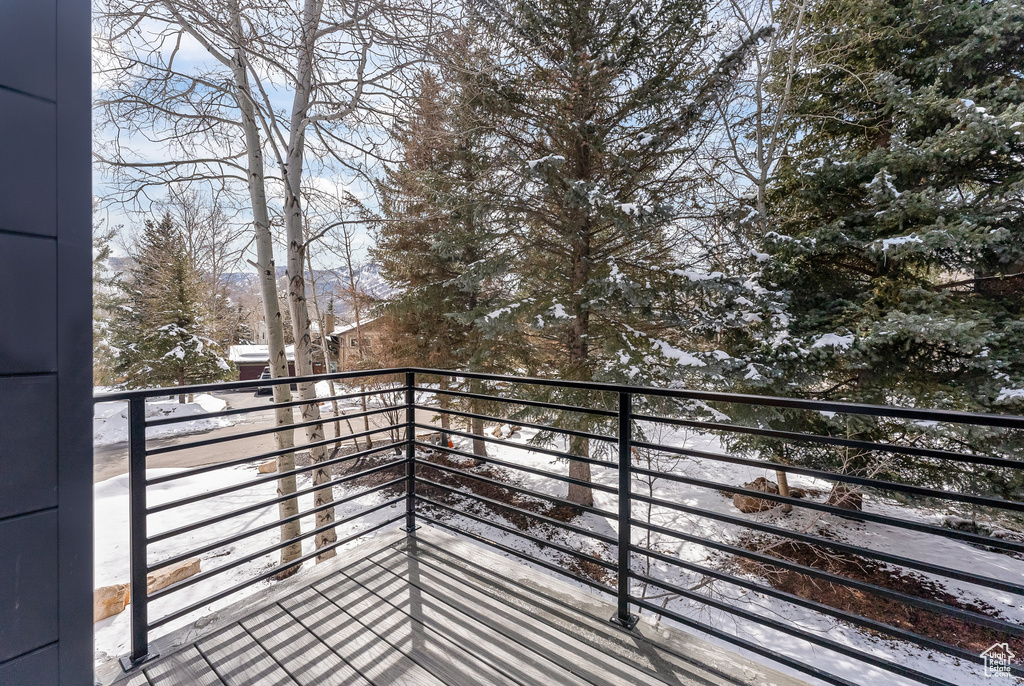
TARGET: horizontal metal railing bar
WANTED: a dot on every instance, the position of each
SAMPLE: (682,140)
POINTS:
(871,624)
(953,416)
(898,596)
(171,533)
(243,385)
(152,567)
(271,454)
(520,446)
(521,401)
(528,425)
(274,406)
(836,440)
(515,532)
(939,570)
(611,540)
(261,432)
(518,489)
(518,553)
(821,641)
(203,576)
(976,418)
(266,575)
(921,491)
(806,503)
(252,482)
(513,465)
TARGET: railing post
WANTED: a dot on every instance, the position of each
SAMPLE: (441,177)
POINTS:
(622,616)
(137,534)
(410,452)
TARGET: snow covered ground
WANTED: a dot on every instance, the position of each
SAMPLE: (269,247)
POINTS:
(112,562)
(111,541)
(110,419)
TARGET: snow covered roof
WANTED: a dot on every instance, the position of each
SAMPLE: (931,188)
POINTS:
(346,328)
(256,354)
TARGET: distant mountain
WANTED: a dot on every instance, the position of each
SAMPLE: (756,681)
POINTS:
(330,283)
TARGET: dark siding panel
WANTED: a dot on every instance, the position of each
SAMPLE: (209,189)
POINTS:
(28,444)
(28,164)
(74,339)
(28,308)
(28,55)
(28,583)
(37,667)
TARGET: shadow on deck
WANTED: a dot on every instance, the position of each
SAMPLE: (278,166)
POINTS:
(433,611)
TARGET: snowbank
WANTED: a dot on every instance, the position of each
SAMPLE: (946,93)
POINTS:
(110,420)
(111,564)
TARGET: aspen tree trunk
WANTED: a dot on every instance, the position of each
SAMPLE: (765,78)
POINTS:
(323,350)
(297,305)
(359,327)
(268,292)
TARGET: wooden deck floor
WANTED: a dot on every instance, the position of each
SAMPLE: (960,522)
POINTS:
(439,611)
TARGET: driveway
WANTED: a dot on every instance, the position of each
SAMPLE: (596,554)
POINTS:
(111,461)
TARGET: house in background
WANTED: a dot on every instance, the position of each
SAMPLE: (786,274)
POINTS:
(252,359)
(348,344)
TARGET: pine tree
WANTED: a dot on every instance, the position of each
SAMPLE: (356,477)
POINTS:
(434,245)
(898,220)
(162,329)
(601,103)
(104,304)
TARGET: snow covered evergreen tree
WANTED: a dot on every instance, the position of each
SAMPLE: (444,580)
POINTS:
(104,303)
(435,245)
(161,330)
(898,224)
(600,103)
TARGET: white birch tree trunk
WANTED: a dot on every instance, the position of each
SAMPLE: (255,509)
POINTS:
(297,305)
(268,292)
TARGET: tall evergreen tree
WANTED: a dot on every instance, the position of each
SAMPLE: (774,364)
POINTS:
(435,244)
(600,104)
(162,332)
(104,303)
(899,223)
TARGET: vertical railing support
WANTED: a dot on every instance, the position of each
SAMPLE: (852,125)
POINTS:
(410,452)
(137,534)
(622,616)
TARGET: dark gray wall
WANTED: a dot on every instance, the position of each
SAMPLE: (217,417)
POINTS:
(45,343)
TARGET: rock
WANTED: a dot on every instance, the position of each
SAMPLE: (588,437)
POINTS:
(108,601)
(433,437)
(748,503)
(843,498)
(268,467)
(164,577)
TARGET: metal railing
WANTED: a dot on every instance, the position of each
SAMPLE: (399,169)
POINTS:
(627,414)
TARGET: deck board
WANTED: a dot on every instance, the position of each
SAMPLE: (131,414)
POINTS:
(434,610)
(371,655)
(305,657)
(468,634)
(591,664)
(428,648)
(240,661)
(574,620)
(186,666)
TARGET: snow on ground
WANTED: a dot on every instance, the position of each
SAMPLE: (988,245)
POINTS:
(111,541)
(110,419)
(911,544)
